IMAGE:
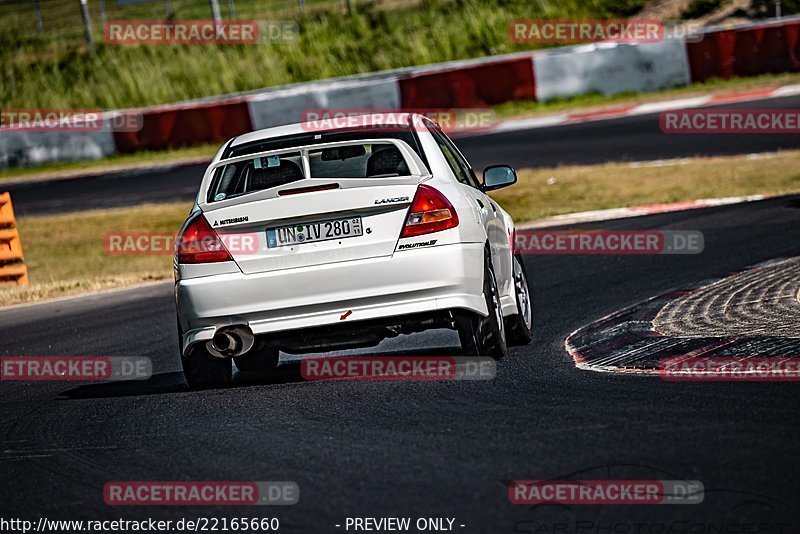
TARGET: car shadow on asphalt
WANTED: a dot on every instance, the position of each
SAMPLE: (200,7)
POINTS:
(288,372)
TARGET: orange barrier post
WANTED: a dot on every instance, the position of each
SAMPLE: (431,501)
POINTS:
(12,261)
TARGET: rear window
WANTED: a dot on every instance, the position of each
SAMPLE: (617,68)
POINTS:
(310,138)
(255,174)
(351,160)
(371,160)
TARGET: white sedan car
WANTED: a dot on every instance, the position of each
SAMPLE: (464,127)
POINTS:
(305,239)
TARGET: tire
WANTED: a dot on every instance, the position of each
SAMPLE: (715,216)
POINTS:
(202,370)
(519,327)
(484,336)
(259,359)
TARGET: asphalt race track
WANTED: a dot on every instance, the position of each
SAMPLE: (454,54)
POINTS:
(626,139)
(419,449)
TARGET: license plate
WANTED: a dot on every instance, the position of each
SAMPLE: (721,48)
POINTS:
(318,231)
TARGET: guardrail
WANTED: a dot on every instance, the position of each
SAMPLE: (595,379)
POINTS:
(12,261)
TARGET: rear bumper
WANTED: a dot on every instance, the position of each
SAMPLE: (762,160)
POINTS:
(410,281)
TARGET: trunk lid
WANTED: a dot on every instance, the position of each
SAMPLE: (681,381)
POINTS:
(301,209)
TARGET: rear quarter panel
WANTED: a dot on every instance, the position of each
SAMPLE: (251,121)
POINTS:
(470,228)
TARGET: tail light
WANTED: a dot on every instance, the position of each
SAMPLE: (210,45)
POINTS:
(199,243)
(430,212)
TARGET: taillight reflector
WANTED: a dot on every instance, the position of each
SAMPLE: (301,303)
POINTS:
(430,212)
(199,243)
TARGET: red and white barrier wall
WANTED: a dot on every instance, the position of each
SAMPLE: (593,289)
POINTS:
(286,106)
(20,148)
(187,124)
(610,68)
(479,85)
(605,68)
(748,50)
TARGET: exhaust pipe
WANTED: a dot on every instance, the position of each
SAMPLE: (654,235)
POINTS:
(231,341)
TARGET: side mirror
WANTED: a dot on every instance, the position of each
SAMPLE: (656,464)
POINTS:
(497,176)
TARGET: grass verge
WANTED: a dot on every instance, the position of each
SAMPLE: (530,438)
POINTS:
(66,253)
(57,70)
(554,191)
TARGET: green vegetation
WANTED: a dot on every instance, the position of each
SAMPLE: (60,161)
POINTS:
(56,69)
(700,8)
(545,192)
(623,8)
(66,254)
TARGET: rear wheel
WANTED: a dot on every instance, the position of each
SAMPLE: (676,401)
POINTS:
(519,327)
(202,370)
(484,336)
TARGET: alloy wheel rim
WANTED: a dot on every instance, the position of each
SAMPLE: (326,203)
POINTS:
(523,295)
